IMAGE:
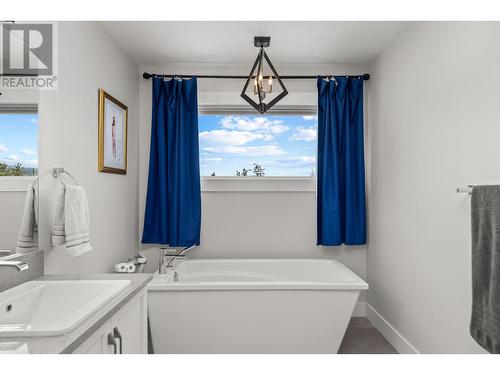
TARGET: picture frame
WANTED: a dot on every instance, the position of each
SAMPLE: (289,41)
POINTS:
(113,124)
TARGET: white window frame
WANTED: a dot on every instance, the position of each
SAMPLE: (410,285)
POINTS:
(210,184)
(13,183)
(19,183)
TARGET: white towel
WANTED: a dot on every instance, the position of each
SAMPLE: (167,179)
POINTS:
(71,221)
(28,233)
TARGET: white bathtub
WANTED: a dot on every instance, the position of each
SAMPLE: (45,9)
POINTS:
(252,306)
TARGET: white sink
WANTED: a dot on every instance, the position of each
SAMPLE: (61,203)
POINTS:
(52,308)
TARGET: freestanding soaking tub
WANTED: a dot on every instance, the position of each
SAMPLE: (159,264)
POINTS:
(252,306)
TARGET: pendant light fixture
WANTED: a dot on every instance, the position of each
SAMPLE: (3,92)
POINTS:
(261,79)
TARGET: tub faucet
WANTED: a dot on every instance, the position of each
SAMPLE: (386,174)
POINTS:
(166,259)
(20,266)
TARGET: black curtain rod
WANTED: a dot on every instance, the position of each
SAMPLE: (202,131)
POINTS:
(145,75)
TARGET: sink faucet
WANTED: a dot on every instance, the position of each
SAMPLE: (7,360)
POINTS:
(166,260)
(20,266)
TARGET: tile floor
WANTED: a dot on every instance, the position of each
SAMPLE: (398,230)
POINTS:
(363,338)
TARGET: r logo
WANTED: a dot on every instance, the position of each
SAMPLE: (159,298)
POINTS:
(27,49)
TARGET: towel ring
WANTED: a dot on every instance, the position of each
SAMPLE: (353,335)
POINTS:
(57,172)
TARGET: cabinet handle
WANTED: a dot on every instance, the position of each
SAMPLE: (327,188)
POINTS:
(112,341)
(117,334)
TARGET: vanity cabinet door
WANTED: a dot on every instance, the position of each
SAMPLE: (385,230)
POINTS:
(130,323)
(97,343)
(125,332)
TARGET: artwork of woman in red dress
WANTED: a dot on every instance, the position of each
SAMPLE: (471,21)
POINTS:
(113,137)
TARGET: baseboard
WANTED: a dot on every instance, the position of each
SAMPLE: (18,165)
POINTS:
(359,309)
(396,339)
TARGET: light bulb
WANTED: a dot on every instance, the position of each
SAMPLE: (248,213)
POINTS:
(270,83)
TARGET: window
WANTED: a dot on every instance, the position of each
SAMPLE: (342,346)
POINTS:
(257,145)
(18,141)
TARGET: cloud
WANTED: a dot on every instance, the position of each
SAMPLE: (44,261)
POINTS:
(257,124)
(30,163)
(14,159)
(3,148)
(28,151)
(211,160)
(230,137)
(237,131)
(310,118)
(268,150)
(34,120)
(304,134)
(294,162)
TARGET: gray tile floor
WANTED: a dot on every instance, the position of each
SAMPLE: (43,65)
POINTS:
(363,338)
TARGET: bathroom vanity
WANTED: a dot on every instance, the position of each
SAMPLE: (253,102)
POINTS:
(125,332)
(106,314)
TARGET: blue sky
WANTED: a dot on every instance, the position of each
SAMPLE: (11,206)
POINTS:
(284,145)
(19,139)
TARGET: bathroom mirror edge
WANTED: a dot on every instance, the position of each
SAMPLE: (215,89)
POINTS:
(19,190)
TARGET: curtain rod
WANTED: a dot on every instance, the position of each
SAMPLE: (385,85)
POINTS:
(145,75)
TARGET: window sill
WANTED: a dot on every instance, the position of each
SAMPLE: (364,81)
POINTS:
(18,183)
(258,184)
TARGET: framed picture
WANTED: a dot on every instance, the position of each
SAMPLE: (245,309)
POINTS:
(113,118)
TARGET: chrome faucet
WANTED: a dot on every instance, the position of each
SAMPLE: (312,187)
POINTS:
(166,259)
(20,266)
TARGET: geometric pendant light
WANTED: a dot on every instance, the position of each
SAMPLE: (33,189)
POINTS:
(261,79)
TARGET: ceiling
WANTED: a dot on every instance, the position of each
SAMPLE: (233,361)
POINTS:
(162,43)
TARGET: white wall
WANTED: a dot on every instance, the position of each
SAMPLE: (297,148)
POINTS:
(434,112)
(12,203)
(250,224)
(89,59)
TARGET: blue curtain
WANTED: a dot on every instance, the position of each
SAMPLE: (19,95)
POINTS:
(341,216)
(173,203)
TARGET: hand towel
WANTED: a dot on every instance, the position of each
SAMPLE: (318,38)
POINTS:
(28,233)
(71,221)
(485,223)
(58,238)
